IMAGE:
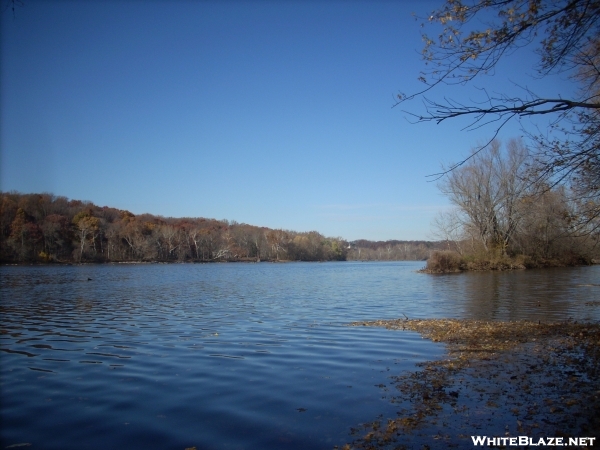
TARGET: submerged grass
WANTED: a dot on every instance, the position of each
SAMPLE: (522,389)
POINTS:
(499,379)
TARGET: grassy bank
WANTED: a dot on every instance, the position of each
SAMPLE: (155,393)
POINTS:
(498,379)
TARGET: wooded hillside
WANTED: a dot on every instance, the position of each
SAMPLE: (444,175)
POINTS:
(47,228)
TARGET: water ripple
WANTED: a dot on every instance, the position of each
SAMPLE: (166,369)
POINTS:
(232,355)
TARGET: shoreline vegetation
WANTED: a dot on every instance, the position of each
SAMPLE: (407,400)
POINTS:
(506,217)
(48,229)
(448,261)
(499,379)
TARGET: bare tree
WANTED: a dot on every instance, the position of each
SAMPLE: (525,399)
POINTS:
(487,191)
(277,240)
(169,239)
(12,4)
(545,229)
(449,226)
(566,37)
(87,227)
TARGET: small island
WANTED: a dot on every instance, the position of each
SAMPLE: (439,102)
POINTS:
(505,216)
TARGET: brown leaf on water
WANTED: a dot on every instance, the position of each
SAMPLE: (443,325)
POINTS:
(501,369)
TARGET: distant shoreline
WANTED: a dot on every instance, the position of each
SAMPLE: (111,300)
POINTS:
(43,228)
(240,261)
(424,270)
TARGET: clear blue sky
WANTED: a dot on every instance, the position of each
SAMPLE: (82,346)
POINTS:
(271,113)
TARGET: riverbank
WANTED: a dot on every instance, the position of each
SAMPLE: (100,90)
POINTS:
(499,379)
(447,261)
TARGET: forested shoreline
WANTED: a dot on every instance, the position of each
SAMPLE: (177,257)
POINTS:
(44,228)
(506,217)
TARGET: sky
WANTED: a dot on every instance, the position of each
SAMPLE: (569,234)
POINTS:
(271,113)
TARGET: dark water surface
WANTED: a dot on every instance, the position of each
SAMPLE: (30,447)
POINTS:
(233,356)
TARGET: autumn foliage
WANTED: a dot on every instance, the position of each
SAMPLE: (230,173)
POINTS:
(48,228)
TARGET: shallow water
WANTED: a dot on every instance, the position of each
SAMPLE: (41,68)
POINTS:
(233,356)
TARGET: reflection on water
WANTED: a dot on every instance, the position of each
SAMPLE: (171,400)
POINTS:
(232,355)
(544,294)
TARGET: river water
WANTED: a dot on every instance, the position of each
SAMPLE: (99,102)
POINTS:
(234,356)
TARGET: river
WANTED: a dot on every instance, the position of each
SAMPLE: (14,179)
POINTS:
(234,356)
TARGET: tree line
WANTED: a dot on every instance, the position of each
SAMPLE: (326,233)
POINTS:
(393,250)
(46,228)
